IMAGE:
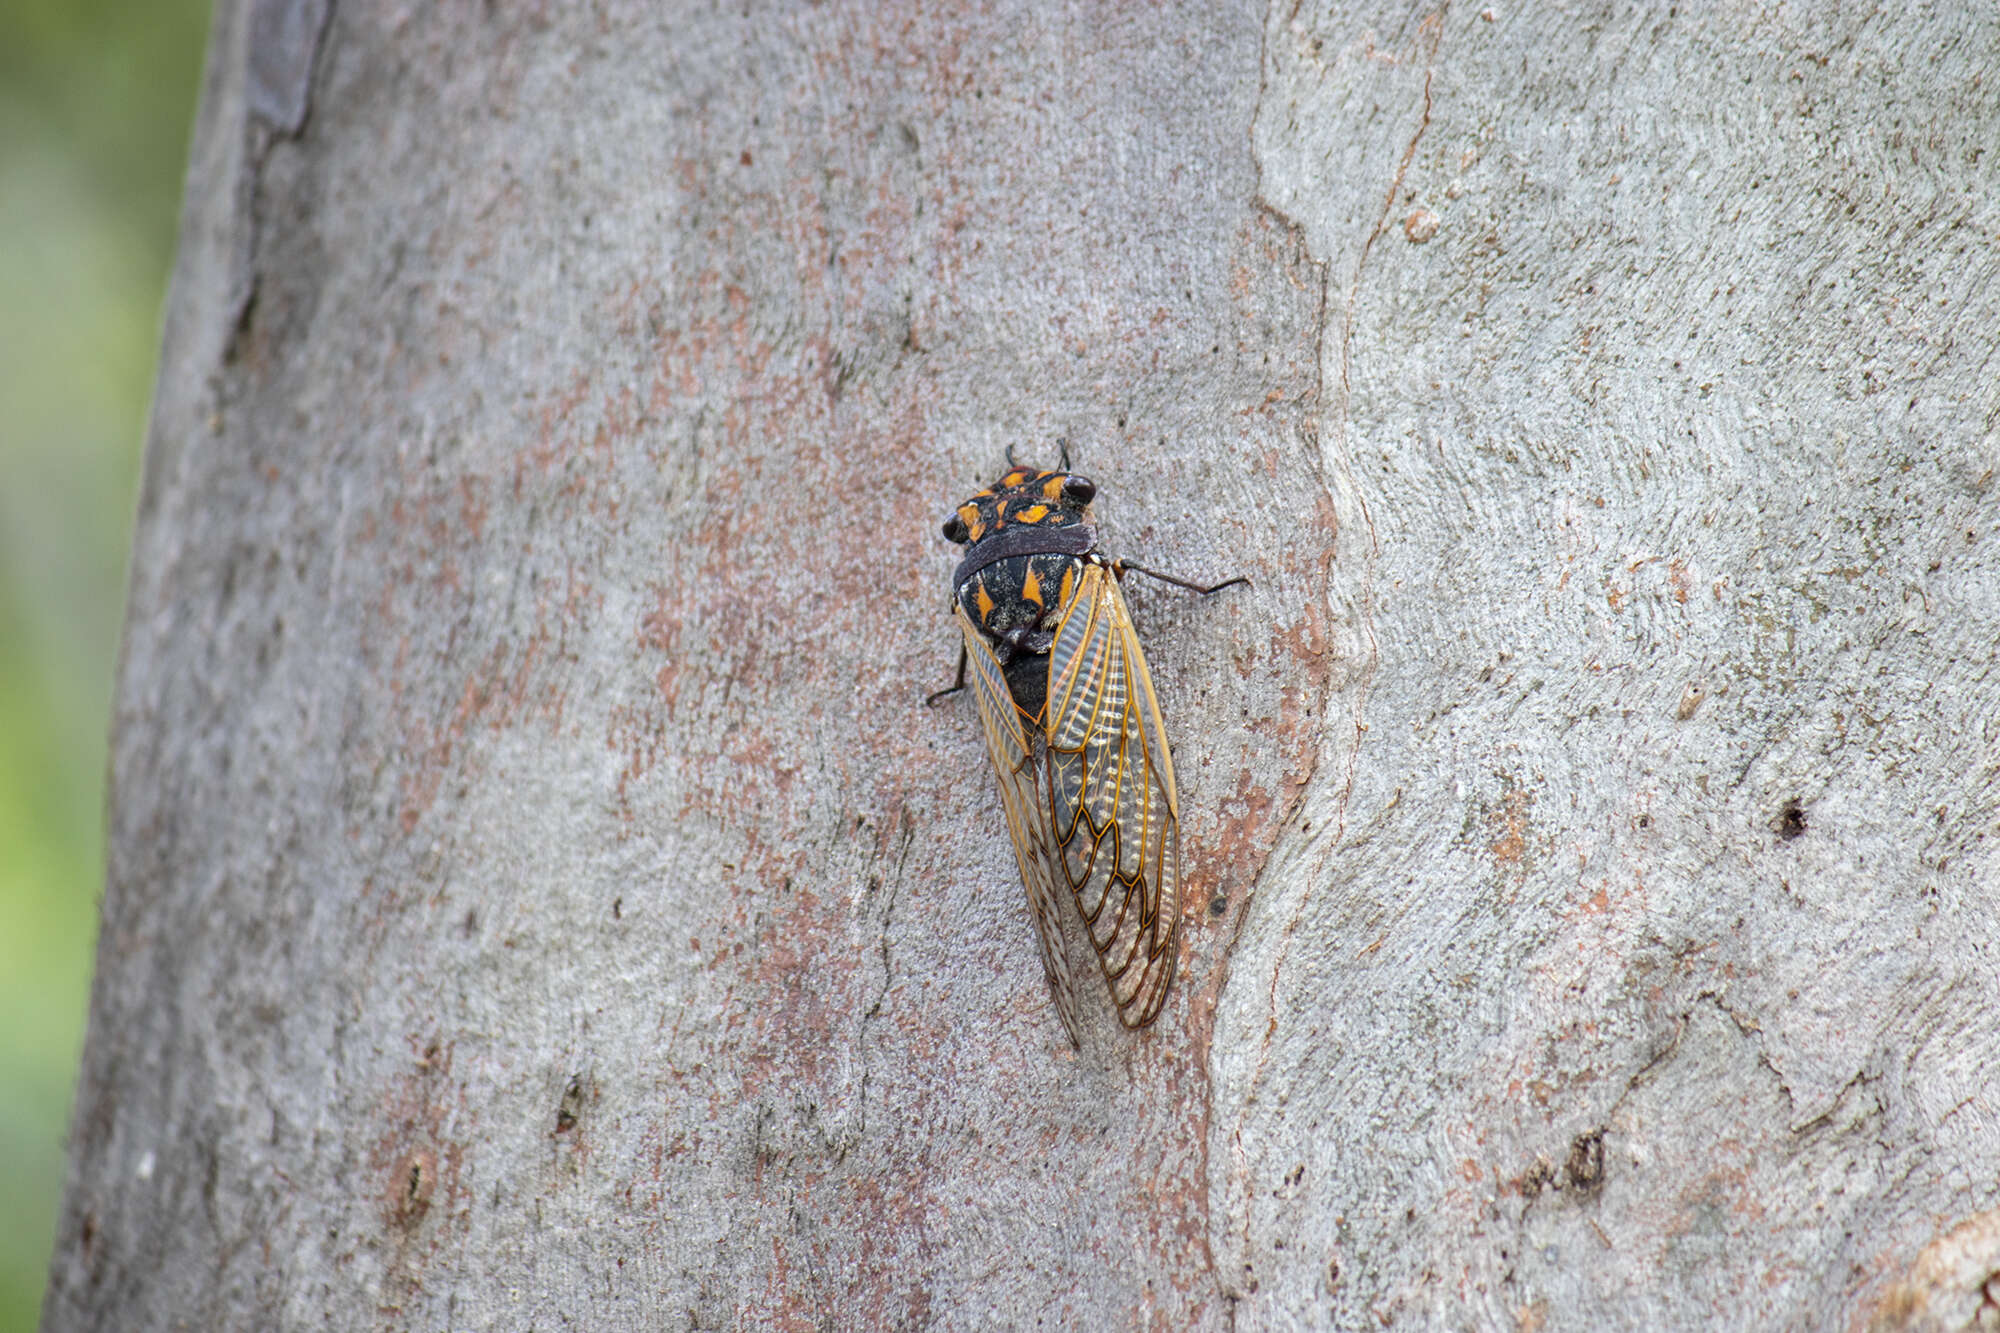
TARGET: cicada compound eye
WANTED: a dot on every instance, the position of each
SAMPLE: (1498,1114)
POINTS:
(1079,490)
(955,530)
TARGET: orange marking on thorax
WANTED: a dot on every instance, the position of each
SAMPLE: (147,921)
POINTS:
(1031,588)
(985,600)
(1068,586)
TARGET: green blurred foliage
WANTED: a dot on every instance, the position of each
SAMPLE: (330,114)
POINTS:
(96,101)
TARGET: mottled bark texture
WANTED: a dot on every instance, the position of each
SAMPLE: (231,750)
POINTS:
(539,897)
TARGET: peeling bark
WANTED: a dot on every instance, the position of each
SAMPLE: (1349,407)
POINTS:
(538,895)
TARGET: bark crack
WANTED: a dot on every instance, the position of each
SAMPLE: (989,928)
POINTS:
(1224,1287)
(1336,476)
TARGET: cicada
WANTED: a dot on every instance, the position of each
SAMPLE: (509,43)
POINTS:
(1073,729)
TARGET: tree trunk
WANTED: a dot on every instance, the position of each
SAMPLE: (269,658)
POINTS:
(539,896)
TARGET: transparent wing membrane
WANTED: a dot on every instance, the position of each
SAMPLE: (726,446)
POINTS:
(1007,742)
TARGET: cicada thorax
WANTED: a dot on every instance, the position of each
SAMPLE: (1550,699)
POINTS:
(1017,602)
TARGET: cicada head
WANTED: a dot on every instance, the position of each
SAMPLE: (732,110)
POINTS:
(1023,498)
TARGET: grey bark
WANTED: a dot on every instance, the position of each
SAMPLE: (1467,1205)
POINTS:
(539,898)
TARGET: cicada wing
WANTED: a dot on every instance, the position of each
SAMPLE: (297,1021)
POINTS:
(1007,742)
(1112,806)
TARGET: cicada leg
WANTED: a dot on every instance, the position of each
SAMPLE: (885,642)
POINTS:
(1123,567)
(955,687)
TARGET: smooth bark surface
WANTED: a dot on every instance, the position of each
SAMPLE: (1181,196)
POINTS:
(539,896)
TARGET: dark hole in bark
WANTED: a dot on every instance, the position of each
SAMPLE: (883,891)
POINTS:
(1791,820)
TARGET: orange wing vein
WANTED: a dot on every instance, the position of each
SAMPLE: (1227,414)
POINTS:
(1110,797)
